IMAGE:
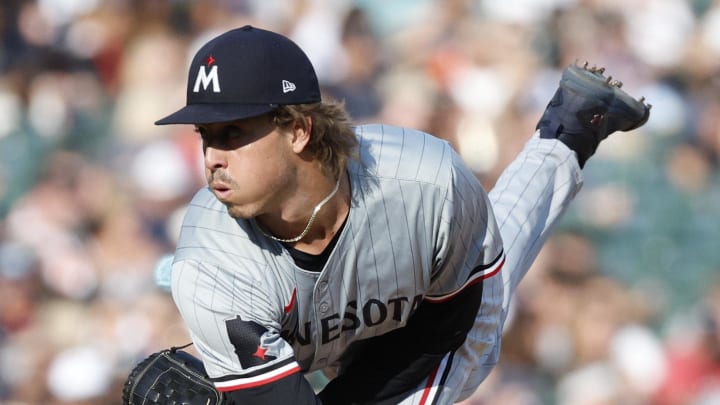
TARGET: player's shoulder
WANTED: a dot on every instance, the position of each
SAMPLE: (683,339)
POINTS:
(390,151)
(388,135)
(208,231)
(204,206)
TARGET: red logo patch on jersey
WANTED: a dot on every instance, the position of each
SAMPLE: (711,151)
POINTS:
(260,353)
(291,304)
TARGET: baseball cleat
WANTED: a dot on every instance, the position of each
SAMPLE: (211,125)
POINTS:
(587,107)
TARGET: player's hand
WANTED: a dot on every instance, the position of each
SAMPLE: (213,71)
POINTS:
(170,376)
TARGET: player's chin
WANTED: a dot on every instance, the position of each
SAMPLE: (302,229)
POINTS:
(233,201)
(238,211)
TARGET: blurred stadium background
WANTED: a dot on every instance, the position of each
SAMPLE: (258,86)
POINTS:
(621,307)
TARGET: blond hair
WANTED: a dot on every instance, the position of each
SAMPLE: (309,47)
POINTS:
(332,139)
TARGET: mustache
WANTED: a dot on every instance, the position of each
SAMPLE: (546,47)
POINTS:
(221,176)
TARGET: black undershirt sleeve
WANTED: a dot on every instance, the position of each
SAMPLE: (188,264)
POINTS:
(267,385)
(293,389)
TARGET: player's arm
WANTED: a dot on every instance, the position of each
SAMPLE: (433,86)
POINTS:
(237,336)
(293,389)
(267,378)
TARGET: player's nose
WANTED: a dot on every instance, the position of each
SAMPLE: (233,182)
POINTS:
(215,158)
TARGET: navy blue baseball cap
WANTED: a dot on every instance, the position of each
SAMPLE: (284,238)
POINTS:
(244,73)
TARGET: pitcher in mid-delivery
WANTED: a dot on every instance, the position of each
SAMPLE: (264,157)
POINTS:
(370,252)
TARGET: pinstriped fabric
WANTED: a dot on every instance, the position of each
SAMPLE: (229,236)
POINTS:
(560,184)
(418,225)
(529,198)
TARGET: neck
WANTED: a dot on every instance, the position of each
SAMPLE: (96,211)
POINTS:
(317,220)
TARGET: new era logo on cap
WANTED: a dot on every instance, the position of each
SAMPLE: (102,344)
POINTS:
(288,86)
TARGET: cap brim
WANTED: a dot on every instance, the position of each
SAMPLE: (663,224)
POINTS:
(210,113)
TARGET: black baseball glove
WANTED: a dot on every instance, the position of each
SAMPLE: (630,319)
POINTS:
(170,377)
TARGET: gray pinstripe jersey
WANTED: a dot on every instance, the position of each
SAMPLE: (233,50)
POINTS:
(419,222)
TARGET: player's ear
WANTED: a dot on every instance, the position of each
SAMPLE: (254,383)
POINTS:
(301,130)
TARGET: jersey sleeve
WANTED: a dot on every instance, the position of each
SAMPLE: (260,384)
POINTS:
(235,323)
(465,298)
(468,247)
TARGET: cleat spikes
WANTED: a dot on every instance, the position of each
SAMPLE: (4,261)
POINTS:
(642,99)
(608,80)
(601,70)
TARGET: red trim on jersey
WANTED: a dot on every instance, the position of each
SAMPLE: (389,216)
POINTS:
(474,279)
(494,271)
(244,383)
(428,386)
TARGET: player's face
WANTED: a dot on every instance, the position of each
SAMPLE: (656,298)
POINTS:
(247,164)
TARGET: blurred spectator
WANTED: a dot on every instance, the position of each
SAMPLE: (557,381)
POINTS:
(694,356)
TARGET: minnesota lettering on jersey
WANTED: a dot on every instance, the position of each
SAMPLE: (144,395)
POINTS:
(373,312)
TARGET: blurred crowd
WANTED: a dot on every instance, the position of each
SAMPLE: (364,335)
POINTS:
(621,307)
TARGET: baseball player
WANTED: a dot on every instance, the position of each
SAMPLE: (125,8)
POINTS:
(370,252)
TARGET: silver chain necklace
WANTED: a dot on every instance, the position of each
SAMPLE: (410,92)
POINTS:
(310,222)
